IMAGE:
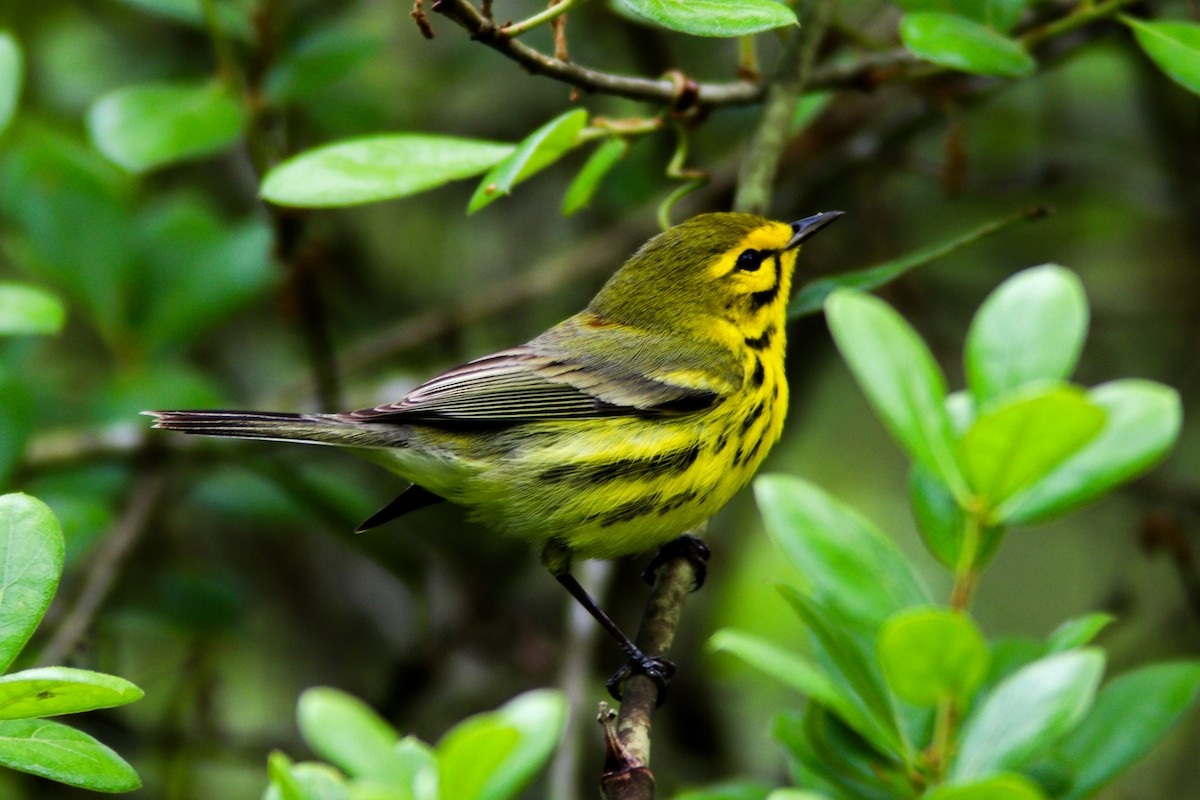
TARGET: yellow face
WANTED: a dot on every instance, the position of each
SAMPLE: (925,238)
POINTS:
(758,269)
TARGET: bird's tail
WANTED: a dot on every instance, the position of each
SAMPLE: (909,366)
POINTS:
(332,429)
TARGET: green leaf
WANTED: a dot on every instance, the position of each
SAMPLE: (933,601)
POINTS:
(377,168)
(318,60)
(471,753)
(1173,46)
(50,691)
(152,125)
(811,297)
(599,164)
(31,559)
(28,309)
(1077,632)
(961,44)
(845,561)
(1005,786)
(931,654)
(346,732)
(845,756)
(1026,713)
(899,377)
(713,17)
(309,781)
(1131,715)
(59,753)
(800,674)
(1031,328)
(999,15)
(1020,442)
(845,650)
(11,76)
(1142,423)
(536,151)
(939,517)
(539,718)
(796,794)
(232,15)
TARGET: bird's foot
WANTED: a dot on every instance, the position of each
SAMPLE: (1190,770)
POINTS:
(688,547)
(656,669)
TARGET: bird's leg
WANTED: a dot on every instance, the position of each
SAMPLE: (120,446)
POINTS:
(657,669)
(689,547)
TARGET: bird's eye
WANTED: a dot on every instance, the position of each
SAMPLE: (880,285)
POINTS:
(749,260)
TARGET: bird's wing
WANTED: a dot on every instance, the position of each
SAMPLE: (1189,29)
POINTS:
(565,375)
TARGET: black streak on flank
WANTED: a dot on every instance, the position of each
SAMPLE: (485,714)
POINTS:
(631,510)
(754,414)
(767,296)
(625,468)
(761,342)
(756,377)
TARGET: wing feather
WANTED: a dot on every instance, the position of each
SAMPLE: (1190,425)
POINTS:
(567,373)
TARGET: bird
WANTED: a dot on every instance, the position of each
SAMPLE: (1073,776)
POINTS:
(610,434)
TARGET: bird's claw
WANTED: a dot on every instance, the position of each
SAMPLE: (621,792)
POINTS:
(656,669)
(688,547)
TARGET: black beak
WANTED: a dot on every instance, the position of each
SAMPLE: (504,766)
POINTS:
(804,228)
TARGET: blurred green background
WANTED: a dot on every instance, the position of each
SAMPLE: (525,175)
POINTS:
(231,579)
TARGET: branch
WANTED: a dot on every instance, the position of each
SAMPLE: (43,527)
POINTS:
(484,30)
(627,773)
(756,179)
(105,566)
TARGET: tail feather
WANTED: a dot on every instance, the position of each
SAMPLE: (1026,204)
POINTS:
(331,429)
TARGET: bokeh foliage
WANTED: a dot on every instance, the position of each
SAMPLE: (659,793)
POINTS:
(139,268)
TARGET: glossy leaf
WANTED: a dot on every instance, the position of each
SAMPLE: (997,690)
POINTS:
(28,309)
(377,168)
(1031,328)
(536,151)
(796,794)
(1142,423)
(152,125)
(845,561)
(31,559)
(308,781)
(1020,442)
(599,164)
(471,753)
(1005,786)
(840,647)
(931,654)
(961,44)
(1027,713)
(899,377)
(1173,46)
(939,517)
(999,15)
(12,74)
(50,691)
(798,673)
(1077,632)
(713,17)
(349,734)
(59,753)
(1131,715)
(539,718)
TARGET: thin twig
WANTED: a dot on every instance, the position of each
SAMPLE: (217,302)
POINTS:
(627,770)
(105,566)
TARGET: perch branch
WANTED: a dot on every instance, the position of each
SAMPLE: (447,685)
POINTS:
(627,773)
